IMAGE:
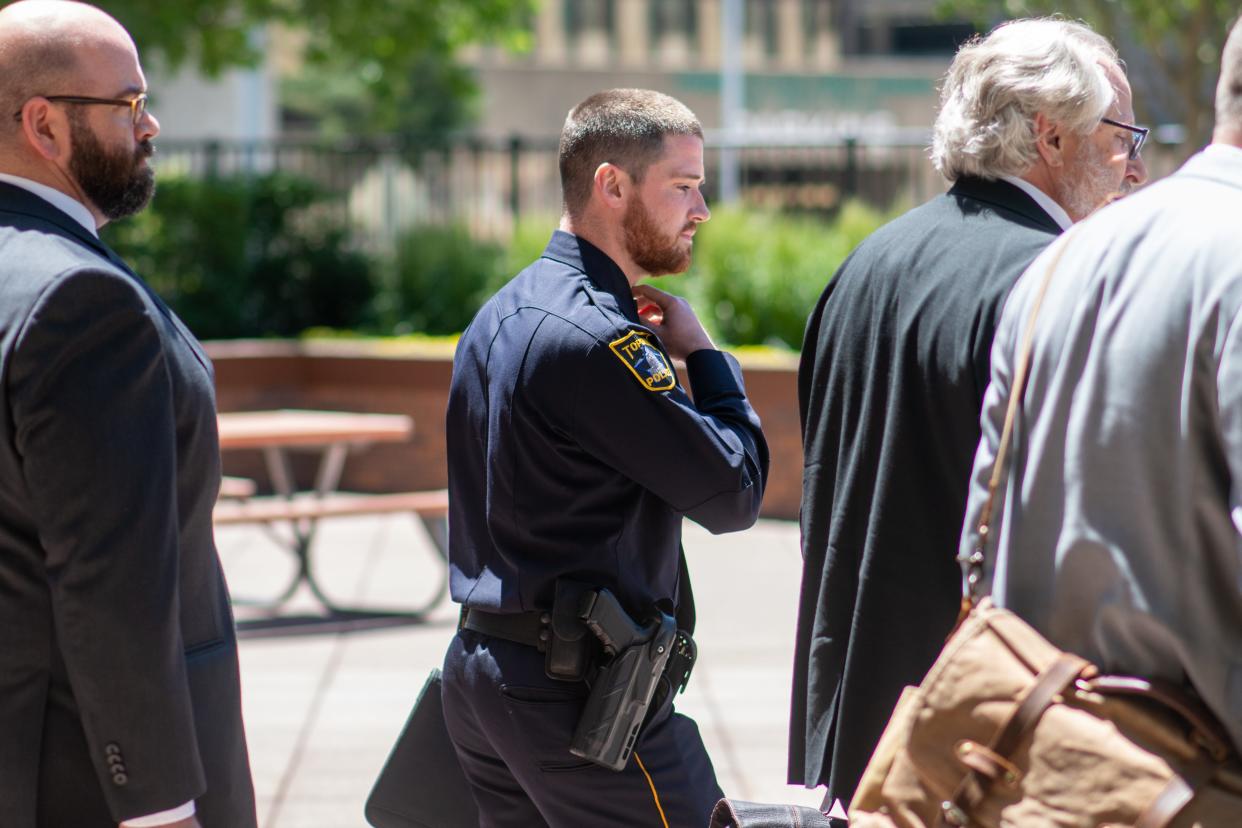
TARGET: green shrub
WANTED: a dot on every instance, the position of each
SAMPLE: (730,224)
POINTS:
(530,238)
(438,278)
(757,275)
(440,275)
(272,256)
(248,256)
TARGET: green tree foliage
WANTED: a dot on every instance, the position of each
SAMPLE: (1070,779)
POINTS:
(1180,40)
(377,38)
(384,67)
(435,97)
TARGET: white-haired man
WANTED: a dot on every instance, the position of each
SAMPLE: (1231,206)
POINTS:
(1035,130)
(1117,531)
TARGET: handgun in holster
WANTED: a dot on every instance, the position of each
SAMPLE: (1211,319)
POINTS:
(634,661)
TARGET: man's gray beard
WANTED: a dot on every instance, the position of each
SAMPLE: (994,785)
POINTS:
(1092,186)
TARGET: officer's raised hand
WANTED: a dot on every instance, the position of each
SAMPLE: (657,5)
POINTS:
(673,320)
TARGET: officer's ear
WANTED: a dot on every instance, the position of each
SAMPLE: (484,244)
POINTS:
(611,183)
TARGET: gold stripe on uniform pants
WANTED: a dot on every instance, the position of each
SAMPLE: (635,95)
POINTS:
(654,794)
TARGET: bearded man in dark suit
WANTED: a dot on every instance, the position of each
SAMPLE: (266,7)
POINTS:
(1035,132)
(119,688)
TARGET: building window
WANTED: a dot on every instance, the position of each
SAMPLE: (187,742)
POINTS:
(928,37)
(679,16)
(674,26)
(761,24)
(816,21)
(590,16)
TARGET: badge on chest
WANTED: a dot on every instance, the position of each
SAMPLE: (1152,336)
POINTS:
(645,361)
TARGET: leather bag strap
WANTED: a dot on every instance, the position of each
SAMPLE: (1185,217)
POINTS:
(1206,730)
(1177,794)
(974,786)
(1057,676)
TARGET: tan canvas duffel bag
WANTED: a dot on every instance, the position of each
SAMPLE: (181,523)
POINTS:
(1008,730)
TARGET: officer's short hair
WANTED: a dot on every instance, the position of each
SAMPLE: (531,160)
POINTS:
(625,127)
(1229,89)
(997,84)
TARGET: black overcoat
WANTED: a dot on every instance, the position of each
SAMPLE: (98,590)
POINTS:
(893,371)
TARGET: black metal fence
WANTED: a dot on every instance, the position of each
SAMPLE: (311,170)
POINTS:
(385,187)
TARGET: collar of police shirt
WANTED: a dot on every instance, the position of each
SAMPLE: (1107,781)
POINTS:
(1054,210)
(80,214)
(66,204)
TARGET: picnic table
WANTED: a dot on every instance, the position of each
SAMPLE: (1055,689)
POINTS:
(333,434)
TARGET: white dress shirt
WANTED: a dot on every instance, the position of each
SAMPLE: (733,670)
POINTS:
(77,211)
(57,199)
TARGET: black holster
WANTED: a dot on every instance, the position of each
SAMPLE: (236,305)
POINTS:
(569,650)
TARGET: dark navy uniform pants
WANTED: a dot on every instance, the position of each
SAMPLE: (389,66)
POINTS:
(512,725)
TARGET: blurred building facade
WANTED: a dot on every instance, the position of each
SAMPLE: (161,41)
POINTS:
(839,96)
(813,68)
(240,104)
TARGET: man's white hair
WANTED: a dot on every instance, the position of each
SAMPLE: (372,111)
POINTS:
(997,84)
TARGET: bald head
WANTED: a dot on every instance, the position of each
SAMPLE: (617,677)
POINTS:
(46,48)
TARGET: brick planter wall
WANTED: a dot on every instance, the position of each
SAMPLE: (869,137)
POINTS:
(414,380)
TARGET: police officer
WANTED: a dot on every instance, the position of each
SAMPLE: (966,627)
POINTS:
(574,452)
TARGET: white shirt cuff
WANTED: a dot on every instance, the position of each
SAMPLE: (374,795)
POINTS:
(162,818)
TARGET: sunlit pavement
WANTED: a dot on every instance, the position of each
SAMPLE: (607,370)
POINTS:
(324,700)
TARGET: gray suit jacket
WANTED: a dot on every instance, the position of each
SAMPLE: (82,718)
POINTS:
(1118,535)
(119,690)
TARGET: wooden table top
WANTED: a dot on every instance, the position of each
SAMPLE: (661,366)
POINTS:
(292,427)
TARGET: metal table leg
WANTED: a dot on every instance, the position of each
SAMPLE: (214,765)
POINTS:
(327,478)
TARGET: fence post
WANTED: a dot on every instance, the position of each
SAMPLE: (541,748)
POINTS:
(851,166)
(515,177)
(211,160)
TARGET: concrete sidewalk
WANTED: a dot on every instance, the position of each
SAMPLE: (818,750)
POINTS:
(324,701)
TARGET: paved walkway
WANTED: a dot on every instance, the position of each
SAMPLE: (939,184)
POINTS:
(324,701)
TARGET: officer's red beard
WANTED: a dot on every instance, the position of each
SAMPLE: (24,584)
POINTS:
(650,248)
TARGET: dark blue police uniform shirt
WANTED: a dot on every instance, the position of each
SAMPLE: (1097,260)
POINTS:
(574,451)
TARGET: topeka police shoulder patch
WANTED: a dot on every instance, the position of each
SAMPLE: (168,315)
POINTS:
(645,361)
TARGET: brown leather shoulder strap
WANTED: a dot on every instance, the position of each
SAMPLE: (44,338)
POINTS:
(1177,794)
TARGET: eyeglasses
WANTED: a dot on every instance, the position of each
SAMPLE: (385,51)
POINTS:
(1138,135)
(137,106)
